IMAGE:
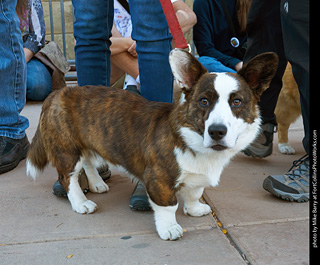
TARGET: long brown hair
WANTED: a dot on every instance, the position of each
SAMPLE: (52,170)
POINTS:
(242,7)
(22,6)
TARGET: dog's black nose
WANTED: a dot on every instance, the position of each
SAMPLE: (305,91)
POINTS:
(217,131)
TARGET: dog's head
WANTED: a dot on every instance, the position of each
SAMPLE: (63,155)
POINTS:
(218,111)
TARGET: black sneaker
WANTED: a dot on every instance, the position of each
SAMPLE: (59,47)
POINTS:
(12,151)
(139,199)
(133,89)
(262,146)
(293,185)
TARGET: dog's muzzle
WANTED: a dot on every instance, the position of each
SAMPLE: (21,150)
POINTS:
(217,132)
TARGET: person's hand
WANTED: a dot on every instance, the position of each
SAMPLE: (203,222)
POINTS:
(132,49)
(28,54)
(238,66)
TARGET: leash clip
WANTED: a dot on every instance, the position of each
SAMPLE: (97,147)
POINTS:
(188,48)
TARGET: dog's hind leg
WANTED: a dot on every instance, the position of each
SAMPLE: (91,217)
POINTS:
(192,205)
(96,183)
(283,145)
(70,183)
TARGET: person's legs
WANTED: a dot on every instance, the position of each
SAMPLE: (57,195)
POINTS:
(13,141)
(156,80)
(92,30)
(213,65)
(39,81)
(294,184)
(265,35)
(269,98)
(151,32)
(12,74)
(295,24)
(301,76)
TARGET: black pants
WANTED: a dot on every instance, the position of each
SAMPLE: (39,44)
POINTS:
(271,28)
(295,27)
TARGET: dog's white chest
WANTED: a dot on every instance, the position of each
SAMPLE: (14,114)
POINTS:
(200,170)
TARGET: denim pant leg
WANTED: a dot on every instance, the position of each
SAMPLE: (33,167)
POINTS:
(151,32)
(213,65)
(39,80)
(92,30)
(12,73)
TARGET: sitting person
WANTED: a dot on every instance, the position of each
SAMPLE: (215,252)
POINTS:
(124,58)
(123,54)
(218,49)
(39,81)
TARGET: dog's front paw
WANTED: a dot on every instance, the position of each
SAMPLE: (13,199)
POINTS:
(199,209)
(99,187)
(170,232)
(286,149)
(166,224)
(85,207)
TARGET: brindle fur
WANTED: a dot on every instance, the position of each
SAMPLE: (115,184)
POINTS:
(81,120)
(127,130)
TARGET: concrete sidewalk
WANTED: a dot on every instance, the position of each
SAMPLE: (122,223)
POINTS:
(248,224)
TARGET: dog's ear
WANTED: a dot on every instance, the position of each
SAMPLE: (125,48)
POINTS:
(186,68)
(259,71)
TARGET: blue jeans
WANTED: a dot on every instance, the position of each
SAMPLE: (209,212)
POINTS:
(213,65)
(151,32)
(12,73)
(92,31)
(39,81)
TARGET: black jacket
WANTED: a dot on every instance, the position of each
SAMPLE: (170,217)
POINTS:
(212,35)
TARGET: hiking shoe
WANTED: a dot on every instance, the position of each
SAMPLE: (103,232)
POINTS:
(59,191)
(262,145)
(139,199)
(293,185)
(12,151)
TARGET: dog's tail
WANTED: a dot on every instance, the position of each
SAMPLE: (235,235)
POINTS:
(37,158)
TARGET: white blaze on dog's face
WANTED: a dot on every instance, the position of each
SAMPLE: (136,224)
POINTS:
(226,123)
(220,109)
(221,114)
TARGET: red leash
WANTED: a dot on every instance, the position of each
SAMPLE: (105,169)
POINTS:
(174,25)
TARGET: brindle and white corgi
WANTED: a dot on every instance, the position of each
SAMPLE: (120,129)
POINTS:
(171,148)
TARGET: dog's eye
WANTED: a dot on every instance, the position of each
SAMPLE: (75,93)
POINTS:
(236,102)
(204,102)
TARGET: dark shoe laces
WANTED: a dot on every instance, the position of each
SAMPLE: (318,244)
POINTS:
(299,168)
